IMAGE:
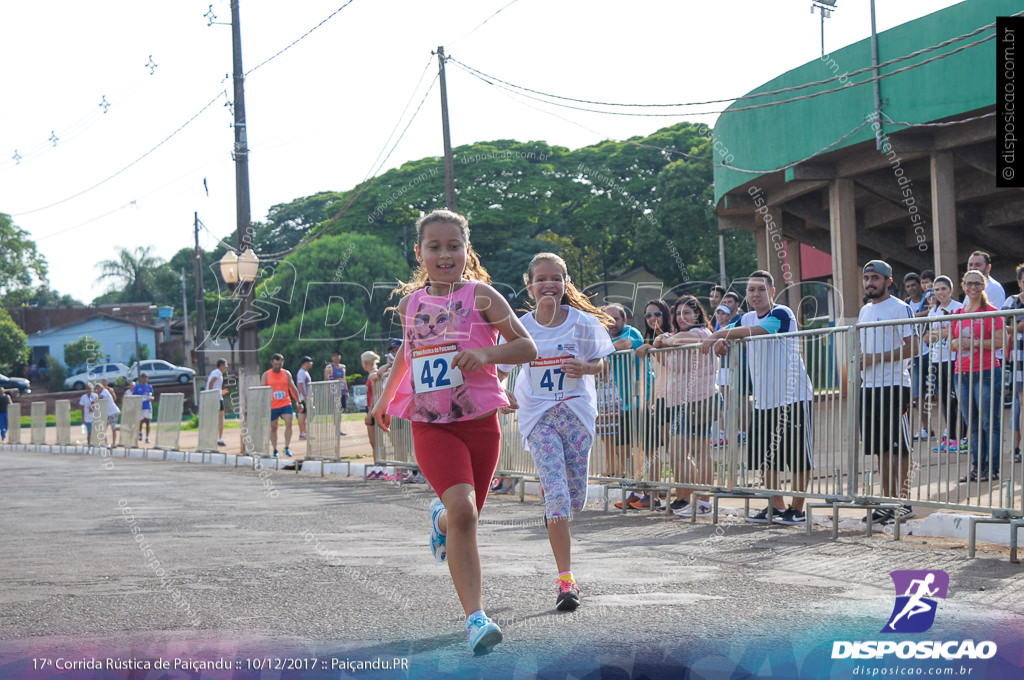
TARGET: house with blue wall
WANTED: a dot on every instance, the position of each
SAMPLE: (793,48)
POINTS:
(117,338)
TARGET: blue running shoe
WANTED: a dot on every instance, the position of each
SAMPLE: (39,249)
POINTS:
(287,453)
(483,634)
(438,541)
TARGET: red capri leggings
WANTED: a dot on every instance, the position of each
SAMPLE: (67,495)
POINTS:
(465,452)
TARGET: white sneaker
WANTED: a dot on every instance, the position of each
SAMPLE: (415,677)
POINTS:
(221,442)
(703,509)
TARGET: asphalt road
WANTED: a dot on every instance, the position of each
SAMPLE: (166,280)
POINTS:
(148,560)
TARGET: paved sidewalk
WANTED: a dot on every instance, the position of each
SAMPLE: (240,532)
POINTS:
(129,558)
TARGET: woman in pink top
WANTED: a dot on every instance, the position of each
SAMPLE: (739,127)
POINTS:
(692,396)
(979,378)
(444,380)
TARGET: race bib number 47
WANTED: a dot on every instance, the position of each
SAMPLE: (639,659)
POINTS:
(546,376)
(432,368)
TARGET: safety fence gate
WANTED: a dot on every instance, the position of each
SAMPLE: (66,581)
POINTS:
(323,421)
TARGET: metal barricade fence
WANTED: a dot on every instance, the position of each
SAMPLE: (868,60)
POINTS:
(963,393)
(131,414)
(168,422)
(209,420)
(62,420)
(395,447)
(787,419)
(38,421)
(99,423)
(256,439)
(323,420)
(14,424)
(514,460)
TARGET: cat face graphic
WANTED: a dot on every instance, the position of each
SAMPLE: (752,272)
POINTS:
(431,321)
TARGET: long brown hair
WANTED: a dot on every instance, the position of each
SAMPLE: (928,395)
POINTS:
(571,296)
(694,304)
(473,271)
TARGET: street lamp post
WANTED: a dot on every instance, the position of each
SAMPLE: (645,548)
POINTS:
(239,272)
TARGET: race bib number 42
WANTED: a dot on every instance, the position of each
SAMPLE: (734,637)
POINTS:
(546,376)
(432,368)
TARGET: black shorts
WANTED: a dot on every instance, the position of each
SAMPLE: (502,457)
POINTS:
(302,407)
(222,406)
(885,420)
(780,438)
(629,428)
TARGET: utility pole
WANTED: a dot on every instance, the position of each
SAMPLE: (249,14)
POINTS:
(248,342)
(200,304)
(184,314)
(449,161)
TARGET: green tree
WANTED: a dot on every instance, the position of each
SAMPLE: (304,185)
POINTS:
(21,262)
(13,347)
(85,350)
(134,272)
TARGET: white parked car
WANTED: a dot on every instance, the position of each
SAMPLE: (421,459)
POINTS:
(359,397)
(109,371)
(161,372)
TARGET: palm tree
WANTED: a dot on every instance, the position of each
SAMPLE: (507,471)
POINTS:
(133,271)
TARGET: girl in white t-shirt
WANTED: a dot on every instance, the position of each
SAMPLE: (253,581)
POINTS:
(557,401)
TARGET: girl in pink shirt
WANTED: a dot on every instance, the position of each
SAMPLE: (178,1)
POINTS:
(445,382)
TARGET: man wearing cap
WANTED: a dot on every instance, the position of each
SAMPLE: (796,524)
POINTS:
(336,371)
(885,353)
(302,382)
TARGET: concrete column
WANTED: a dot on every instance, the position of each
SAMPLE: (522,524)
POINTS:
(845,267)
(944,214)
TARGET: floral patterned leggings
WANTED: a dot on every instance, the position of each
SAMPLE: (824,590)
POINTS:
(560,446)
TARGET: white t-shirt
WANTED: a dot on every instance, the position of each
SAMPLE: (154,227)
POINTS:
(112,409)
(216,380)
(940,351)
(86,403)
(776,367)
(302,382)
(995,293)
(580,336)
(885,339)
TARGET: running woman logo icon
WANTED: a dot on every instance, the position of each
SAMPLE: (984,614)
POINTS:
(914,610)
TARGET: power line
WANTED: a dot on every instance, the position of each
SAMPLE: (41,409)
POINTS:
(104,181)
(480,25)
(741,108)
(398,122)
(82,224)
(299,39)
(754,95)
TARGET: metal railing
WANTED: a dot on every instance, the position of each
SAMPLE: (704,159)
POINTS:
(323,420)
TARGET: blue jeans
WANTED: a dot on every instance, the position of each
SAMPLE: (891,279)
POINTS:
(981,404)
(3,426)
